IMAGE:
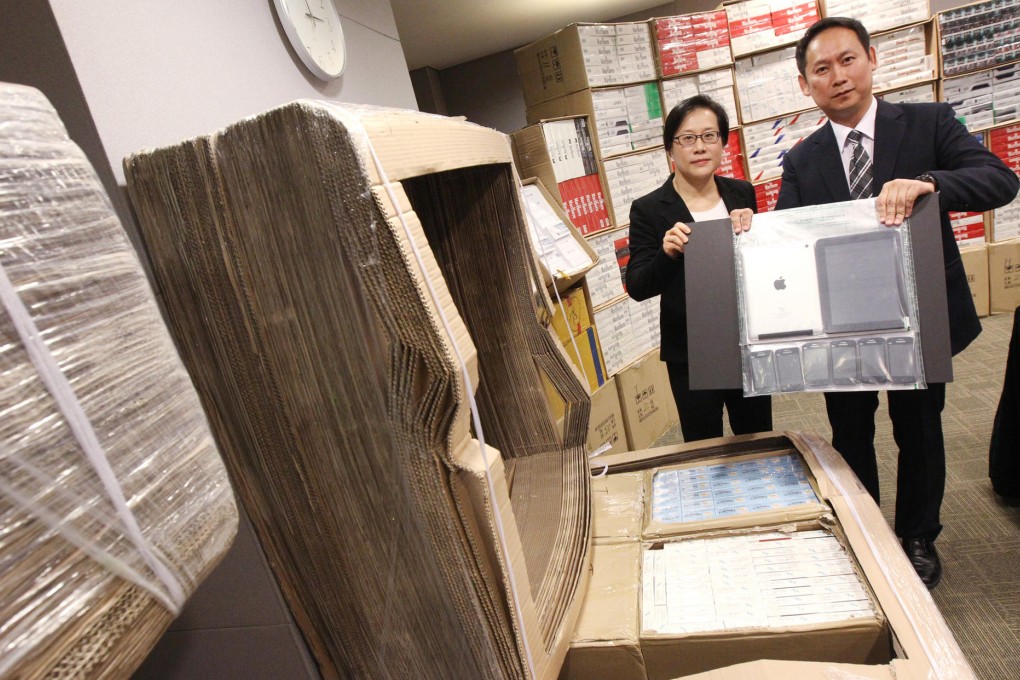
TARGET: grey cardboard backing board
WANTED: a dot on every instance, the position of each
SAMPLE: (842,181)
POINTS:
(713,332)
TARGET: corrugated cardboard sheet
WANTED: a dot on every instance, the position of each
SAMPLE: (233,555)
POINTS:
(114,502)
(325,314)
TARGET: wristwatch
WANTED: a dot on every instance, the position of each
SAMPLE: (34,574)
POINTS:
(927,177)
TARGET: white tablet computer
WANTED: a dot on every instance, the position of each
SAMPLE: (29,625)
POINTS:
(780,287)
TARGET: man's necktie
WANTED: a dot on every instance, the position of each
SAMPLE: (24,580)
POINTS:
(860,167)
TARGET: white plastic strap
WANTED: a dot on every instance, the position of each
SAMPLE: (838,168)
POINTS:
(171,594)
(384,180)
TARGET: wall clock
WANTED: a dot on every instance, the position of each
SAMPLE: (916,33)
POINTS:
(313,28)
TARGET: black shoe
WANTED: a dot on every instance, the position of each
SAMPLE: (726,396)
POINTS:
(925,560)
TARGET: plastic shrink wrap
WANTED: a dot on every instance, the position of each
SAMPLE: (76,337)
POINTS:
(114,503)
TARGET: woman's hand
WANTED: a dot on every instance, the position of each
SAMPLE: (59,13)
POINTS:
(675,240)
(741,219)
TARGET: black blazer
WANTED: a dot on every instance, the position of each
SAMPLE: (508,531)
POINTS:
(651,272)
(911,139)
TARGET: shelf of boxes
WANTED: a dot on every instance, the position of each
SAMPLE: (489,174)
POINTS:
(626,119)
(879,15)
(692,42)
(985,98)
(630,177)
(968,227)
(1004,142)
(757,25)
(979,36)
(583,56)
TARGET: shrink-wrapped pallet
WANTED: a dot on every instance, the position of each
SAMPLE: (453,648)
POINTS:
(114,502)
(344,283)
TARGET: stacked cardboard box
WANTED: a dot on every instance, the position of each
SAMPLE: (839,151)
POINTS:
(563,254)
(766,143)
(717,84)
(692,42)
(561,155)
(1004,276)
(766,511)
(916,94)
(628,330)
(879,15)
(605,280)
(905,57)
(757,25)
(1004,142)
(585,55)
(985,98)
(630,177)
(767,86)
(975,263)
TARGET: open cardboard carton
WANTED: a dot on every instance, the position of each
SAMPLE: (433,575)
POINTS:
(905,638)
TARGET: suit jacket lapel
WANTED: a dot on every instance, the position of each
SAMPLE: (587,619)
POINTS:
(830,164)
(673,208)
(889,129)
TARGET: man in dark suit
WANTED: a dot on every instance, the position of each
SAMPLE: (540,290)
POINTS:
(897,153)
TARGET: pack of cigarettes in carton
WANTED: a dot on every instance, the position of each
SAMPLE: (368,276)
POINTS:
(918,94)
(767,193)
(877,15)
(692,42)
(968,227)
(978,36)
(716,84)
(766,143)
(763,24)
(767,86)
(632,176)
(605,282)
(733,158)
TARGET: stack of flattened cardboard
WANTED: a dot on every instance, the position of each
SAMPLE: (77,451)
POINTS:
(341,281)
(114,502)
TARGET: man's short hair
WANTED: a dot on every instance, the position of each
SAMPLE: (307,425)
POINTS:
(824,25)
(683,109)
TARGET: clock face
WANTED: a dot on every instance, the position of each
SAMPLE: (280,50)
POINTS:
(313,27)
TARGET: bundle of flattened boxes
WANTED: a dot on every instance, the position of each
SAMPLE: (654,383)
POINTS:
(759,548)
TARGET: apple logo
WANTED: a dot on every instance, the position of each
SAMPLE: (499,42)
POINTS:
(779,284)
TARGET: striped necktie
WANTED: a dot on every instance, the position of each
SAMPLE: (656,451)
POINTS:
(860,167)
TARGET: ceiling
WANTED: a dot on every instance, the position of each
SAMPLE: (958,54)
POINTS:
(444,33)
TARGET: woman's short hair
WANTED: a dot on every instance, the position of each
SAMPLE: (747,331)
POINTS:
(683,109)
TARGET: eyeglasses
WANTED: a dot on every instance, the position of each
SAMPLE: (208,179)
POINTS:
(710,137)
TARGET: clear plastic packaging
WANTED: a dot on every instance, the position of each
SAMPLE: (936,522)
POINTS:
(113,498)
(827,302)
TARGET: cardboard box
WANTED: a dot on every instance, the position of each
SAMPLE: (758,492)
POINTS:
(590,364)
(617,506)
(644,398)
(571,313)
(579,56)
(560,154)
(1004,276)
(975,263)
(605,424)
(878,15)
(605,644)
(563,255)
(625,119)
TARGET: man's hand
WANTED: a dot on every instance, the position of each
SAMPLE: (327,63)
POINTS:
(675,239)
(896,202)
(741,218)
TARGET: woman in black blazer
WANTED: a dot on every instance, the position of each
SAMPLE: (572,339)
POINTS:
(661,222)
